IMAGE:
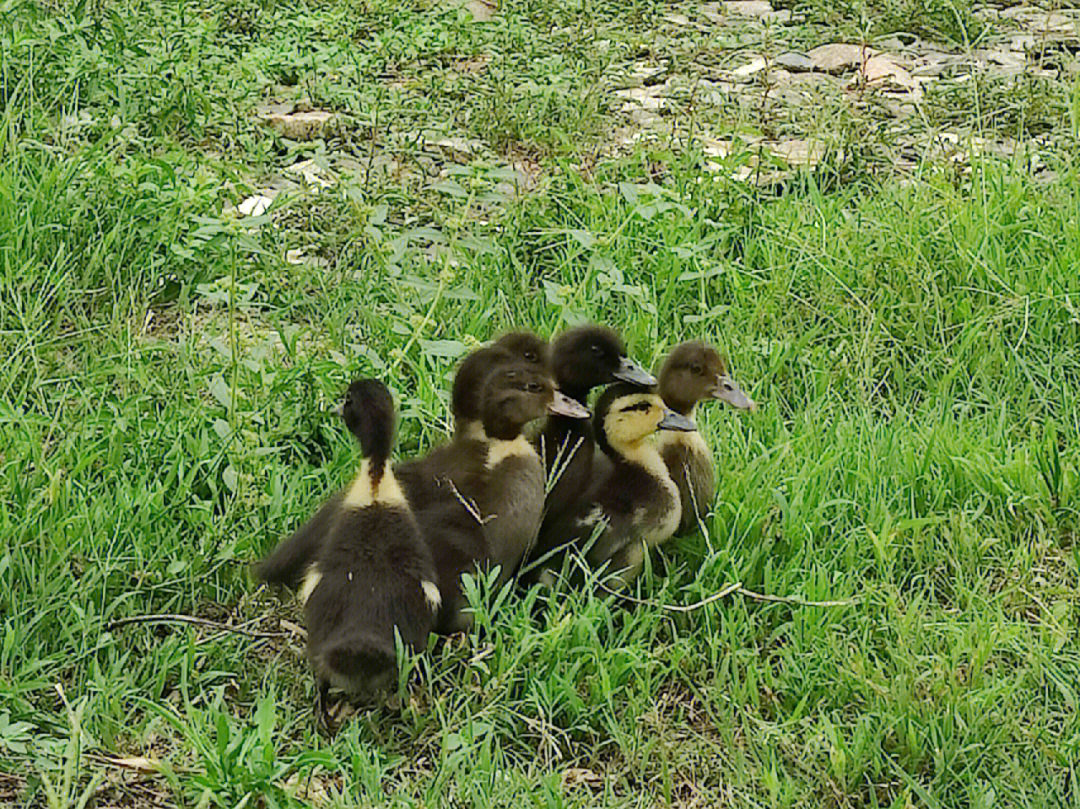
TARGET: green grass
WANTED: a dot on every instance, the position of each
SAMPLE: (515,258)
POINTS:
(914,345)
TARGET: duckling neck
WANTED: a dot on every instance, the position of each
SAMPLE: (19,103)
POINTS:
(374,484)
(680,406)
(643,453)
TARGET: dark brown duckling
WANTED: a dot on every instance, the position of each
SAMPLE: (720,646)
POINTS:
(694,371)
(498,482)
(581,359)
(373,573)
(636,504)
(515,347)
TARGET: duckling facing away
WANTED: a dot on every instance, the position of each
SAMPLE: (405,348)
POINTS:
(694,371)
(581,359)
(373,572)
(498,482)
(636,501)
(515,347)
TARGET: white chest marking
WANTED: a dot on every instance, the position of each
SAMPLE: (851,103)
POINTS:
(499,451)
(361,494)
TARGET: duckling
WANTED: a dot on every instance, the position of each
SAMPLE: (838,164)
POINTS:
(373,572)
(692,372)
(286,565)
(636,501)
(498,481)
(465,395)
(582,358)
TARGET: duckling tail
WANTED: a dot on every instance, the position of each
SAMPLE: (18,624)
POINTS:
(362,658)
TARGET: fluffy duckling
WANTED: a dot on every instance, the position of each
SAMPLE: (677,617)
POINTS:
(465,403)
(636,501)
(498,482)
(694,371)
(581,359)
(373,572)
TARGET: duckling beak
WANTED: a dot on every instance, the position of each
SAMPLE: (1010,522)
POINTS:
(727,391)
(630,371)
(676,421)
(563,405)
(338,409)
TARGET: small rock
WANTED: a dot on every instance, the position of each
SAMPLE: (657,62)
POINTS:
(298,125)
(934,63)
(798,152)
(798,62)
(837,57)
(748,8)
(750,69)
(481,10)
(460,150)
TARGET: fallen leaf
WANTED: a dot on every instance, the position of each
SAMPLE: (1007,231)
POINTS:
(578,776)
(255,205)
(313,175)
(137,763)
(837,57)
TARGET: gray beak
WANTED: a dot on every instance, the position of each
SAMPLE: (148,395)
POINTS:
(338,409)
(563,405)
(728,391)
(630,371)
(676,421)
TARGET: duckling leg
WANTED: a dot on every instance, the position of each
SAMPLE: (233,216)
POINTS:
(322,708)
(626,564)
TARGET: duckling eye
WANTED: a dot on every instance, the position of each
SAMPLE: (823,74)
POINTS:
(530,356)
(696,369)
(596,349)
(534,387)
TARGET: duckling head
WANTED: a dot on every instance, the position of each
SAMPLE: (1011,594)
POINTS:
(369,414)
(628,414)
(514,395)
(526,347)
(694,371)
(512,348)
(587,356)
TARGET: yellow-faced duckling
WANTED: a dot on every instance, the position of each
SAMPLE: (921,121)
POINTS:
(694,371)
(373,573)
(498,481)
(515,347)
(636,503)
(581,359)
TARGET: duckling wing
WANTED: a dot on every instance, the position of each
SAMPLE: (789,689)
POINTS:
(291,558)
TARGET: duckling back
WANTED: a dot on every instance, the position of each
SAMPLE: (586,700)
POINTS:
(373,574)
